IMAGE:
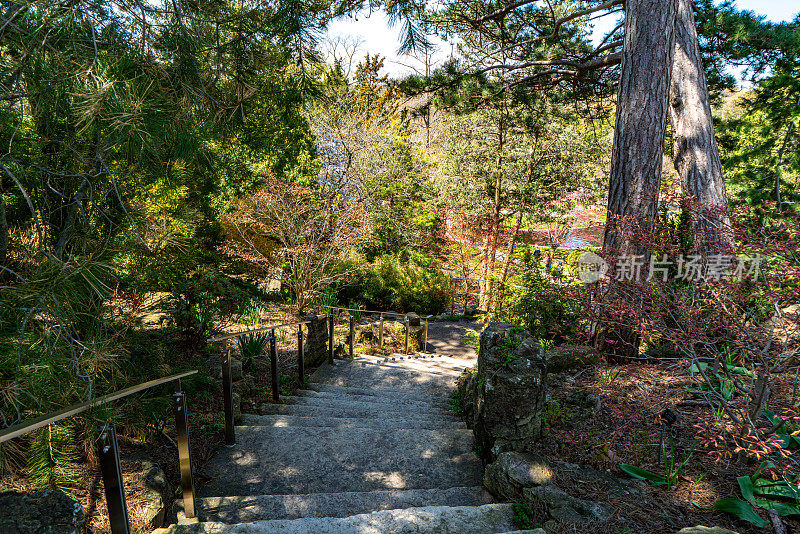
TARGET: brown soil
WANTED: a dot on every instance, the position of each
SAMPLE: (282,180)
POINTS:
(626,429)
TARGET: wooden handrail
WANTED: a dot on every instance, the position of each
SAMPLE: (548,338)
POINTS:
(254,330)
(53,417)
(396,314)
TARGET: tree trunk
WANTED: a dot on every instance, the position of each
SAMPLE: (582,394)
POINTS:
(3,231)
(641,122)
(642,102)
(696,153)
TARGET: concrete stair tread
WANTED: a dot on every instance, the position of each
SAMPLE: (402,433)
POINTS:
(347,422)
(389,408)
(409,366)
(383,377)
(244,509)
(363,392)
(434,362)
(270,460)
(435,404)
(485,519)
(352,411)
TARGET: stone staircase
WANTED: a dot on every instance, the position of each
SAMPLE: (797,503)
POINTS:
(370,447)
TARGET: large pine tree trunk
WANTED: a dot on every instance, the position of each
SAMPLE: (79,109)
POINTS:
(696,153)
(641,122)
(3,231)
(642,107)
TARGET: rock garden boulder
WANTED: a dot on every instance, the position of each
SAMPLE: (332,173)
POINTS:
(42,512)
(154,490)
(215,366)
(316,342)
(550,486)
(785,327)
(571,357)
(503,401)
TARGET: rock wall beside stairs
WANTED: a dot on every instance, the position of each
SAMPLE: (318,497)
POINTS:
(316,342)
(504,399)
(50,512)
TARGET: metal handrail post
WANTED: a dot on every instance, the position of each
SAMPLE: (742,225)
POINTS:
(407,328)
(108,453)
(273,365)
(352,336)
(184,456)
(227,398)
(301,355)
(380,336)
(330,335)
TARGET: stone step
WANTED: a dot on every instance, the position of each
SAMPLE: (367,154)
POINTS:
(486,519)
(382,377)
(425,368)
(266,507)
(435,404)
(354,410)
(289,460)
(348,422)
(432,362)
(389,409)
(387,394)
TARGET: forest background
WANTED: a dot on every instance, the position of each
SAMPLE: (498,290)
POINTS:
(225,158)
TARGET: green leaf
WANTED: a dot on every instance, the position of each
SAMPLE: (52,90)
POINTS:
(697,367)
(740,509)
(782,508)
(787,441)
(740,371)
(761,467)
(762,486)
(642,474)
(746,487)
(727,389)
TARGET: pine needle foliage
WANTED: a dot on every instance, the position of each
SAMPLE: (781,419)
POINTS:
(52,457)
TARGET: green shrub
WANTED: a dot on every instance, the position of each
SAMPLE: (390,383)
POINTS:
(549,310)
(405,284)
(251,346)
(201,298)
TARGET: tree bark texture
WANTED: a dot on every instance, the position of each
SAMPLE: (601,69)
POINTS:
(642,108)
(636,161)
(696,153)
(3,231)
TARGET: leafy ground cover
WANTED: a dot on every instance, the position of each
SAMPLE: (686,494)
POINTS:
(626,429)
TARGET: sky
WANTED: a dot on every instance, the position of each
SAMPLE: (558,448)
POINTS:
(374,34)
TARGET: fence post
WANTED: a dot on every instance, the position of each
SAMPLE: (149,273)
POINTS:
(452,295)
(406,343)
(352,335)
(301,354)
(466,294)
(273,364)
(184,457)
(108,454)
(227,397)
(424,347)
(330,336)
(380,336)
